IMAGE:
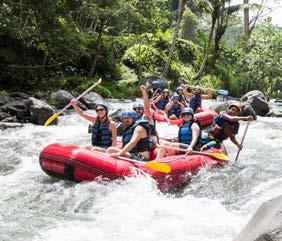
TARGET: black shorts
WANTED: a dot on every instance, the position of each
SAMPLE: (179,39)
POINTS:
(138,157)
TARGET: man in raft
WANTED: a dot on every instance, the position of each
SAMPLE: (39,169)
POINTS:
(189,136)
(196,98)
(226,125)
(174,108)
(104,131)
(136,142)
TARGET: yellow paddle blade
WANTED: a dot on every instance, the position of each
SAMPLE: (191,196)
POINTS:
(53,117)
(220,156)
(157,166)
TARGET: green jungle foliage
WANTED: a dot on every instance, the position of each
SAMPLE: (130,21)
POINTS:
(67,44)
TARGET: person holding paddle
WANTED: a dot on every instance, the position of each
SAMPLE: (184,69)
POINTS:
(189,136)
(226,126)
(136,142)
(104,132)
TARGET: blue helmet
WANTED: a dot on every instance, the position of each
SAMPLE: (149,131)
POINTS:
(188,111)
(138,105)
(175,96)
(128,114)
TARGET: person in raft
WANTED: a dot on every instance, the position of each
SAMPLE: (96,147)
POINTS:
(174,108)
(135,139)
(226,125)
(161,101)
(147,115)
(197,97)
(104,132)
(182,98)
(189,136)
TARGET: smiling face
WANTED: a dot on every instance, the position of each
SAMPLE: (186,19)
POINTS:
(187,117)
(139,111)
(233,111)
(128,121)
(101,111)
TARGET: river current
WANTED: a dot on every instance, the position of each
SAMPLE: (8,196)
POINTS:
(214,206)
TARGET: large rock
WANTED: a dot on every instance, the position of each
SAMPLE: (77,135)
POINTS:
(3,100)
(40,111)
(61,98)
(258,101)
(266,223)
(17,109)
(246,108)
(91,99)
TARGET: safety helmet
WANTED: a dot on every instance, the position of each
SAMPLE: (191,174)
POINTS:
(138,105)
(235,104)
(187,110)
(165,90)
(128,114)
(175,96)
(155,84)
(102,104)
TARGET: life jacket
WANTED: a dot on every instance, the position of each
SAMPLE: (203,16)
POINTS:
(162,103)
(143,144)
(141,118)
(196,102)
(185,133)
(101,135)
(222,128)
(175,110)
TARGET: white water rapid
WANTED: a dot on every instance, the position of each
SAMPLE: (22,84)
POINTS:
(214,206)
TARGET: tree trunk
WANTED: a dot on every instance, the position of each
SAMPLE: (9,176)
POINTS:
(207,50)
(246,19)
(97,51)
(181,4)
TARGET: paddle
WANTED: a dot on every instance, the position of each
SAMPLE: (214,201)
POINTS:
(56,114)
(242,141)
(157,166)
(220,91)
(217,155)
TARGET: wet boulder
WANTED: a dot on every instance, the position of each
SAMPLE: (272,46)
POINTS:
(40,111)
(266,223)
(116,115)
(18,96)
(258,101)
(17,109)
(61,98)
(91,99)
(3,100)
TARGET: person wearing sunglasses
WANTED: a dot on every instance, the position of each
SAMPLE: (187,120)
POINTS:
(189,136)
(135,140)
(104,131)
(139,109)
(182,99)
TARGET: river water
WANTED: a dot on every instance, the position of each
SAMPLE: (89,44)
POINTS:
(214,206)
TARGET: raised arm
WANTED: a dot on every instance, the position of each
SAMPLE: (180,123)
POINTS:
(146,101)
(79,111)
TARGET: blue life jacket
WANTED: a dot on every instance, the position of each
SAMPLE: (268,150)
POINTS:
(162,103)
(175,110)
(185,133)
(196,102)
(143,144)
(101,135)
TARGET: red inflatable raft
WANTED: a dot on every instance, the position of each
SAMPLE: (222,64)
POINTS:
(78,164)
(205,117)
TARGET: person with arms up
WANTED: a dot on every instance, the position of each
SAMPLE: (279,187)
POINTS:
(226,125)
(174,108)
(136,142)
(104,131)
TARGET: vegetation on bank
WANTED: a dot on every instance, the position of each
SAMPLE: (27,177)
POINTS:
(67,44)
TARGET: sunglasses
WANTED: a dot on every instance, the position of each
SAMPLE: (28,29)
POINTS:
(99,110)
(137,109)
(186,114)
